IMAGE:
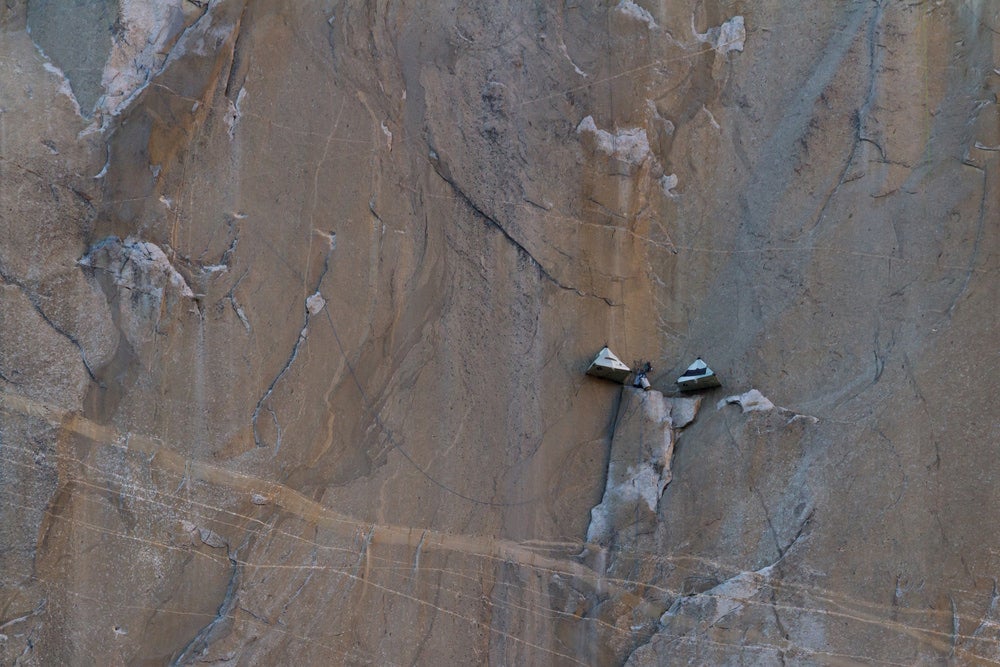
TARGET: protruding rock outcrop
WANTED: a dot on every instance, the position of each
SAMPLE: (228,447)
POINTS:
(148,286)
(639,466)
(295,307)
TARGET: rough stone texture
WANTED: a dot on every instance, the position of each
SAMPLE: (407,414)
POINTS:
(642,450)
(294,319)
(76,38)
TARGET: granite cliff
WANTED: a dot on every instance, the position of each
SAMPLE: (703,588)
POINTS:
(296,300)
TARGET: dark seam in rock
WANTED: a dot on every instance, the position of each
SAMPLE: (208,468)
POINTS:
(203,638)
(33,299)
(291,359)
(493,223)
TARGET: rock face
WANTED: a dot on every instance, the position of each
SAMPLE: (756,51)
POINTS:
(296,300)
(642,450)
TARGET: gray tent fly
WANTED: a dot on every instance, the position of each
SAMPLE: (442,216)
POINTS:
(606,365)
(698,376)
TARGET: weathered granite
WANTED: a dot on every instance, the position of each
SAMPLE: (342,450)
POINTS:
(296,300)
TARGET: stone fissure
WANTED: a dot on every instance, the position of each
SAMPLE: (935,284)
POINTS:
(784,191)
(441,170)
(292,356)
(35,302)
(201,642)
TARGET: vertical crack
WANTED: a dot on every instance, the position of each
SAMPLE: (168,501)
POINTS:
(303,333)
(954,626)
(990,610)
(442,170)
(974,255)
(777,621)
(860,116)
(235,65)
(237,308)
(201,641)
(37,306)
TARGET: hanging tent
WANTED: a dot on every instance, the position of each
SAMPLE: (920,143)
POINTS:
(606,365)
(698,376)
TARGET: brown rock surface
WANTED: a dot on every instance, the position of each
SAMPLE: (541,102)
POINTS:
(296,300)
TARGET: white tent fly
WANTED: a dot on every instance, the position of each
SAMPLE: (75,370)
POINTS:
(606,365)
(698,376)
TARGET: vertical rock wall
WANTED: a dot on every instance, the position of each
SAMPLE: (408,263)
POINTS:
(296,300)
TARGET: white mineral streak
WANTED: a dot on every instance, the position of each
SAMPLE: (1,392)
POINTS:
(683,411)
(754,401)
(205,536)
(727,37)
(664,124)
(668,183)
(107,163)
(211,538)
(565,52)
(315,303)
(388,136)
(234,113)
(138,53)
(750,401)
(240,313)
(722,600)
(711,118)
(331,237)
(629,8)
(136,264)
(600,521)
(64,86)
(629,145)
(639,469)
